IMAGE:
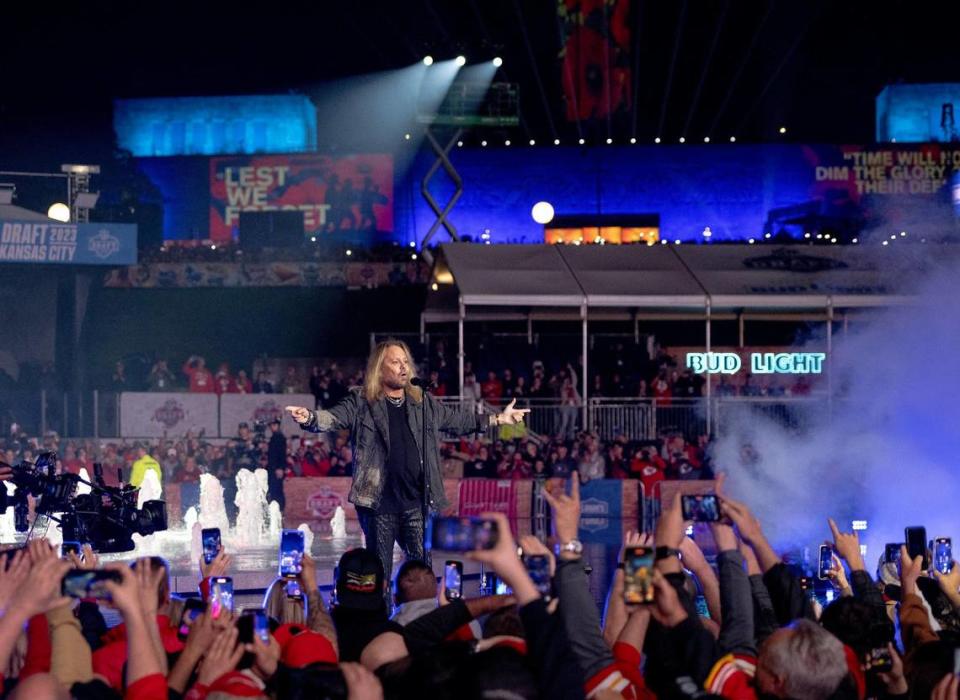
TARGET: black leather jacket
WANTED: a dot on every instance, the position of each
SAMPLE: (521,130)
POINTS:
(369,432)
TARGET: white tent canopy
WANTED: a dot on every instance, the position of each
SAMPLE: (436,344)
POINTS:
(511,282)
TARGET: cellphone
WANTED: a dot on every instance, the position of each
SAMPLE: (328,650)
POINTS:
(261,625)
(462,534)
(538,566)
(891,552)
(916,538)
(826,562)
(293,590)
(81,583)
(638,575)
(291,553)
(67,547)
(192,608)
(210,537)
(879,660)
(453,579)
(221,595)
(942,554)
(701,509)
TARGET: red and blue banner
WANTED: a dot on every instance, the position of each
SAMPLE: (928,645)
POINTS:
(335,194)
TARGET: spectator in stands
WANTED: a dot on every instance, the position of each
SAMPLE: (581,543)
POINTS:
(262,385)
(201,380)
(661,390)
(481,466)
(170,464)
(320,388)
(649,467)
(509,384)
(643,391)
(569,405)
(222,381)
(119,380)
(592,464)
(189,473)
(438,387)
(291,383)
(471,390)
(160,377)
(617,467)
(617,386)
(242,383)
(561,463)
(491,390)
(78,460)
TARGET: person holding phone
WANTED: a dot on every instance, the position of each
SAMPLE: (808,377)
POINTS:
(397,480)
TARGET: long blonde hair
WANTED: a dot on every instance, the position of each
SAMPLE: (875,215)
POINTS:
(279,606)
(372,385)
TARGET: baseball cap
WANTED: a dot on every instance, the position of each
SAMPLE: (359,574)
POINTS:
(360,580)
(307,648)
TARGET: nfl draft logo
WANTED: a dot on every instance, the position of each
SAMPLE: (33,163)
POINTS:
(169,414)
(323,504)
(103,245)
(266,412)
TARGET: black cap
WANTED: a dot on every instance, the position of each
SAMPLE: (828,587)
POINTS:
(360,580)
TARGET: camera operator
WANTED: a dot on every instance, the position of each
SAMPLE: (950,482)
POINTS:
(276,464)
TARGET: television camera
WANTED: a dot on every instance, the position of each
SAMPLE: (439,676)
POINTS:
(107,517)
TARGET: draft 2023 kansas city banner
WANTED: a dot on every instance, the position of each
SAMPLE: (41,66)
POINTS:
(68,244)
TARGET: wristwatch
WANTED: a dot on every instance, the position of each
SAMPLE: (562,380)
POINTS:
(573,547)
(666,553)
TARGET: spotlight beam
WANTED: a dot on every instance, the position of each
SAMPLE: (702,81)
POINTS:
(673,65)
(706,67)
(536,70)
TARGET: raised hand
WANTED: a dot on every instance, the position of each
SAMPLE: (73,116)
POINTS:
(847,545)
(13,573)
(88,562)
(566,511)
(222,657)
(40,591)
(504,561)
(308,574)
(218,567)
(362,684)
(910,571)
(534,547)
(666,608)
(511,415)
(949,582)
(837,574)
(298,413)
(148,585)
(266,656)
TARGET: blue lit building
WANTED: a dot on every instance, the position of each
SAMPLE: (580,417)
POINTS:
(245,124)
(919,113)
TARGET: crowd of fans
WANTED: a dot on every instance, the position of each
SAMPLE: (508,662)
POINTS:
(758,635)
(196,251)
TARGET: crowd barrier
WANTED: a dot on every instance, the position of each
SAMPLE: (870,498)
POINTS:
(173,415)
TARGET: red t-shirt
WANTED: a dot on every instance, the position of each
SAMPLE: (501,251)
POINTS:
(201,381)
(491,391)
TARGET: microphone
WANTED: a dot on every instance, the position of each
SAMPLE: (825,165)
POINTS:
(422,383)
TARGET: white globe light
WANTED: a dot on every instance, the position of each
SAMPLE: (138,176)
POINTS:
(59,212)
(428,60)
(497,62)
(461,61)
(542,212)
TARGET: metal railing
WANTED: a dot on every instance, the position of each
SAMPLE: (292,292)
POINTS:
(97,414)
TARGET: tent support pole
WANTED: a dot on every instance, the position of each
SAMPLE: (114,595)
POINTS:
(584,381)
(743,330)
(709,392)
(460,317)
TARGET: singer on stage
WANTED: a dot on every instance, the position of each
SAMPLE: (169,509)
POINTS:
(396,473)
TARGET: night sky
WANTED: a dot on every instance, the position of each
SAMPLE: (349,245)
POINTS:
(702,67)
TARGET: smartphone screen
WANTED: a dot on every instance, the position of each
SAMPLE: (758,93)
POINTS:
(192,608)
(501,588)
(916,538)
(67,547)
(453,579)
(638,575)
(943,554)
(80,583)
(878,660)
(261,625)
(701,509)
(221,595)
(291,553)
(826,561)
(462,534)
(538,566)
(210,537)
(293,590)
(891,552)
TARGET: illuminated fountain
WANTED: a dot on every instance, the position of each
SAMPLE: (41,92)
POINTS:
(251,503)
